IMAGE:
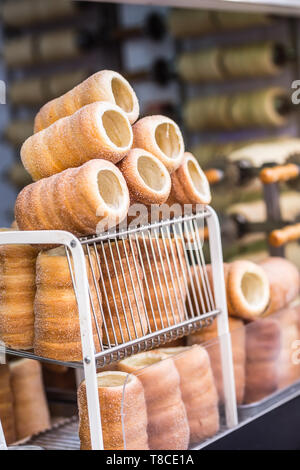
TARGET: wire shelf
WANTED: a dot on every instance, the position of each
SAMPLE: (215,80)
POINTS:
(147,286)
(151,286)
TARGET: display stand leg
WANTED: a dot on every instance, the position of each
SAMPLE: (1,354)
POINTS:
(222,319)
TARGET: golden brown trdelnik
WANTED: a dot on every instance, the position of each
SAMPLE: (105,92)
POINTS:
(121,285)
(98,130)
(57,328)
(84,200)
(6,405)
(168,427)
(30,404)
(105,85)
(162,137)
(198,390)
(121,397)
(17,291)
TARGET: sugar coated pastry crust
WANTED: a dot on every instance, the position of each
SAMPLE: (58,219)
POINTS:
(83,200)
(160,136)
(284,282)
(208,337)
(57,327)
(198,390)
(97,130)
(164,286)
(6,405)
(189,183)
(30,404)
(168,426)
(120,396)
(121,275)
(263,345)
(248,291)
(17,290)
(105,85)
(147,178)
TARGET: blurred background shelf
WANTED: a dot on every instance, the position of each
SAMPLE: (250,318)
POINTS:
(284,7)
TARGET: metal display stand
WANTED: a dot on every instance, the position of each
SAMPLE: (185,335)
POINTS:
(168,232)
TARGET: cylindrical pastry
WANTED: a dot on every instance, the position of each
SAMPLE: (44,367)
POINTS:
(198,390)
(248,291)
(147,178)
(28,50)
(57,326)
(252,60)
(189,184)
(288,367)
(123,412)
(121,285)
(164,288)
(168,427)
(208,337)
(98,130)
(17,291)
(266,107)
(84,200)
(284,282)
(201,66)
(33,91)
(190,22)
(208,112)
(26,12)
(57,45)
(226,20)
(259,108)
(160,136)
(106,86)
(6,405)
(30,404)
(263,345)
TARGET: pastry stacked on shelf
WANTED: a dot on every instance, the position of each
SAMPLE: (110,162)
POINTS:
(34,91)
(57,329)
(208,337)
(168,426)
(256,59)
(91,159)
(17,287)
(164,287)
(123,412)
(79,139)
(247,289)
(29,398)
(18,13)
(263,348)
(6,405)
(265,107)
(195,22)
(35,49)
(198,390)
(84,200)
(189,184)
(121,285)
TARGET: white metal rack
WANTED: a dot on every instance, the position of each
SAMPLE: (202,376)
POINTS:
(162,235)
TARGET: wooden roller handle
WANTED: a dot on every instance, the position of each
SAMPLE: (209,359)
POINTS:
(214,175)
(282,236)
(279,173)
